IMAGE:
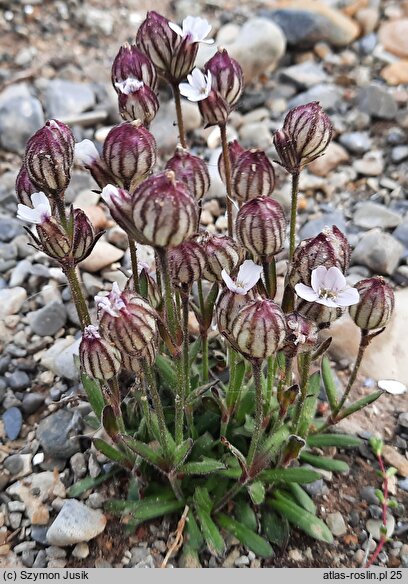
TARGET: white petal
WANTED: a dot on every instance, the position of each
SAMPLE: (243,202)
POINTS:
(129,85)
(197,78)
(86,153)
(334,280)
(317,278)
(327,302)
(228,281)
(209,84)
(115,289)
(40,198)
(27,214)
(108,192)
(348,297)
(175,27)
(92,331)
(306,292)
(249,274)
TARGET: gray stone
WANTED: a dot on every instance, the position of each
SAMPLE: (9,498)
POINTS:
(327,94)
(403,484)
(28,557)
(96,500)
(372,164)
(399,154)
(378,251)
(20,273)
(57,434)
(18,380)
(15,520)
(78,465)
(315,226)
(9,228)
(18,465)
(32,401)
(20,116)
(98,20)
(49,319)
(11,301)
(65,98)
(304,75)
(403,419)
(368,494)
(138,554)
(75,523)
(316,488)
(60,358)
(40,560)
(356,142)
(401,233)
(378,102)
(369,215)
(374,527)
(146,563)
(81,551)
(39,534)
(12,420)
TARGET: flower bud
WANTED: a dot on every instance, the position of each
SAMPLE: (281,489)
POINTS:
(307,131)
(221,252)
(137,101)
(97,357)
(49,156)
(261,226)
(227,77)
(127,320)
(253,175)
(87,156)
(130,62)
(120,203)
(235,150)
(134,363)
(130,153)
(186,263)
(163,211)
(302,335)
(190,170)
(376,304)
(84,238)
(214,109)
(24,187)
(319,313)
(329,248)
(53,240)
(259,329)
(228,305)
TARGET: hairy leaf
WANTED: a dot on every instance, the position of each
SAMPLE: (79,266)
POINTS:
(324,462)
(338,440)
(94,393)
(289,475)
(247,537)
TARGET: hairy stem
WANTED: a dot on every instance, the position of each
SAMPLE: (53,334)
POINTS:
(293,213)
(77,295)
(256,370)
(186,361)
(228,496)
(168,292)
(179,113)
(115,403)
(59,201)
(158,407)
(228,176)
(204,336)
(133,261)
(304,379)
(352,378)
(269,269)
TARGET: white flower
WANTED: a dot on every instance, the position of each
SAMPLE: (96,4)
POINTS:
(112,303)
(91,332)
(108,193)
(248,275)
(329,287)
(86,153)
(194,27)
(129,85)
(40,212)
(198,86)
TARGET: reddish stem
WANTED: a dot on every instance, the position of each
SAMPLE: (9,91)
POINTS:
(383,539)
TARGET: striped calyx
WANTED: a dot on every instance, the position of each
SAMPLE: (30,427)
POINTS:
(319,313)
(228,305)
(130,153)
(307,131)
(376,304)
(259,329)
(148,286)
(120,203)
(302,334)
(127,320)
(221,252)
(164,212)
(190,170)
(24,187)
(98,358)
(214,109)
(83,237)
(253,175)
(235,150)
(130,62)
(53,240)
(329,248)
(227,76)
(187,263)
(261,227)
(137,101)
(134,363)
(49,157)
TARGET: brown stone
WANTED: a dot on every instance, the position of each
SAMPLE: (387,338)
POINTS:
(393,36)
(104,254)
(394,458)
(97,217)
(396,73)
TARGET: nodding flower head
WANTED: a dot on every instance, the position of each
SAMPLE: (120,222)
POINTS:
(186,263)
(320,314)
(120,203)
(328,287)
(40,211)
(84,237)
(248,275)
(98,358)
(376,304)
(191,170)
(235,150)
(137,101)
(227,76)
(130,62)
(113,303)
(213,106)
(198,86)
(222,252)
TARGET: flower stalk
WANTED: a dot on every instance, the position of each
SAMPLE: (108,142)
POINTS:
(257,433)
(228,176)
(179,114)
(133,261)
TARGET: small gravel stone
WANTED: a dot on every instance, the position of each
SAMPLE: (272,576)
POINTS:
(54,552)
(138,554)
(374,527)
(15,520)
(378,102)
(78,465)
(40,560)
(369,215)
(27,558)
(56,434)
(48,320)
(242,561)
(148,562)
(379,251)
(12,420)
(356,142)
(39,534)
(18,380)
(81,551)
(75,523)
(11,301)
(368,494)
(399,154)
(336,524)
(96,500)
(32,402)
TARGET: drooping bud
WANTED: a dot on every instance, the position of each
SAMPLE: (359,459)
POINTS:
(98,358)
(319,313)
(253,175)
(329,248)
(259,329)
(130,62)
(49,157)
(84,237)
(127,320)
(130,153)
(87,156)
(163,211)
(186,263)
(137,101)
(228,305)
(191,170)
(261,227)
(235,150)
(302,334)
(307,131)
(221,252)
(24,187)
(53,240)
(227,76)
(376,304)
(120,204)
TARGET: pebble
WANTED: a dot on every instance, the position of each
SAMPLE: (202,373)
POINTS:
(378,102)
(393,36)
(399,153)
(18,465)
(378,251)
(374,526)
(12,420)
(40,560)
(356,142)
(394,458)
(336,524)
(368,494)
(48,320)
(327,94)
(32,402)
(396,73)
(65,98)
(369,215)
(18,380)
(60,358)
(332,158)
(57,434)
(242,561)
(21,115)
(78,465)
(39,534)
(11,301)
(315,226)
(81,551)
(104,254)
(304,75)
(372,164)
(75,523)
(401,233)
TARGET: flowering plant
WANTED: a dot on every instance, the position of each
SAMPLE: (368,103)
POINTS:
(224,420)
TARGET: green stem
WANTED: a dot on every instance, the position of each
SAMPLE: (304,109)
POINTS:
(77,296)
(59,201)
(228,176)
(256,369)
(116,401)
(293,214)
(186,360)
(133,261)
(175,485)
(228,496)
(269,268)
(168,292)
(270,378)
(179,113)
(304,379)
(204,336)
(362,347)
(158,407)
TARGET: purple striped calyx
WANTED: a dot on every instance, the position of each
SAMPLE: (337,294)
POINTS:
(221,252)
(235,150)
(137,101)
(302,334)
(252,175)
(187,263)
(131,62)
(227,76)
(376,304)
(24,187)
(98,358)
(191,170)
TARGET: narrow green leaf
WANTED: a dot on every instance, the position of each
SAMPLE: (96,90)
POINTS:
(289,475)
(92,421)
(210,531)
(194,349)
(202,499)
(256,491)
(244,514)
(154,457)
(271,446)
(167,371)
(144,510)
(247,537)
(360,404)
(201,467)
(301,519)
(235,389)
(275,528)
(89,483)
(94,393)
(310,404)
(181,452)
(111,452)
(324,462)
(329,384)
(110,423)
(193,534)
(338,440)
(302,497)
